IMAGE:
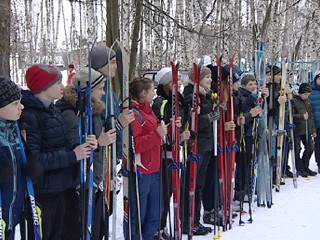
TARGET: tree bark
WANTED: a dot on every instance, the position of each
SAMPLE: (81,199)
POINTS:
(135,38)
(5,23)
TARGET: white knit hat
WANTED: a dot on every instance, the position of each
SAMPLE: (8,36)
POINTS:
(164,76)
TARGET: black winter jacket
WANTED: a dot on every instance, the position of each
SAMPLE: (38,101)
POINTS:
(245,101)
(49,144)
(205,128)
(299,107)
(167,113)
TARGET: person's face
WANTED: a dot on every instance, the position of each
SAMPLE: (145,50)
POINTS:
(54,92)
(268,77)
(98,92)
(206,82)
(251,86)
(148,95)
(112,66)
(305,96)
(236,86)
(277,78)
(11,111)
(318,81)
(171,83)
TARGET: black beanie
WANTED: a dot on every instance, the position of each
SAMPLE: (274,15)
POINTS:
(9,92)
(305,88)
(275,70)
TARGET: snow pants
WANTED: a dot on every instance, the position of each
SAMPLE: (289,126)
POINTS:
(149,197)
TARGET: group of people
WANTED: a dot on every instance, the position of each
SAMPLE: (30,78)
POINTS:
(48,114)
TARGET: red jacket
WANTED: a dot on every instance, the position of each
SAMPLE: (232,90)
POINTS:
(147,141)
(71,75)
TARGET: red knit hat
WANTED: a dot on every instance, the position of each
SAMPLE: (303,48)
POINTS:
(40,77)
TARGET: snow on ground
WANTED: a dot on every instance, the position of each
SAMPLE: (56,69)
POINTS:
(295,215)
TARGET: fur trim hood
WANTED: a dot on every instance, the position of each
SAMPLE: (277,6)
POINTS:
(70,95)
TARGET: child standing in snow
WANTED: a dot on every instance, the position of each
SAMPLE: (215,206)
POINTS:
(12,178)
(147,144)
(68,107)
(48,140)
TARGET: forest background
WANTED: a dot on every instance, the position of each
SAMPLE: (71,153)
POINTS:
(156,31)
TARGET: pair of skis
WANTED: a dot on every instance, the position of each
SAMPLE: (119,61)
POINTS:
(131,202)
(84,107)
(176,166)
(264,183)
(226,143)
(281,130)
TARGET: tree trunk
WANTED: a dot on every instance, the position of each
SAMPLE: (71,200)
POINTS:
(5,23)
(112,21)
(135,38)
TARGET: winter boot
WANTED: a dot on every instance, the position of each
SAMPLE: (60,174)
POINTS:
(302,173)
(198,230)
(289,174)
(310,172)
(209,218)
(164,235)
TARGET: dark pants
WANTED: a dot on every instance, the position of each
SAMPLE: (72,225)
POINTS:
(302,164)
(211,182)
(71,226)
(166,182)
(149,197)
(52,214)
(317,147)
(244,165)
(200,180)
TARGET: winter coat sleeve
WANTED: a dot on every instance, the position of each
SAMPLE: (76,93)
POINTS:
(205,120)
(311,116)
(297,116)
(144,142)
(49,160)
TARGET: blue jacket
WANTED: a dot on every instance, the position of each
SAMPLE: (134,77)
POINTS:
(315,102)
(49,144)
(13,188)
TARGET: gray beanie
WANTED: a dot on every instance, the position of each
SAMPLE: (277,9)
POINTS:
(101,56)
(82,77)
(204,71)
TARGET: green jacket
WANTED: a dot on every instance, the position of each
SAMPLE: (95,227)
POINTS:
(300,107)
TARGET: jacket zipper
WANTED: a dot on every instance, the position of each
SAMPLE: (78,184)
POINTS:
(14,164)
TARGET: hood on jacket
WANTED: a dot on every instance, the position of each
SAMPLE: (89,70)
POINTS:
(314,85)
(30,100)
(70,98)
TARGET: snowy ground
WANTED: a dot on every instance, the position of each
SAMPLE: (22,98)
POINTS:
(295,215)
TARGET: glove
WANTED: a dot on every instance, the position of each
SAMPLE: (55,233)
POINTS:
(213,116)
